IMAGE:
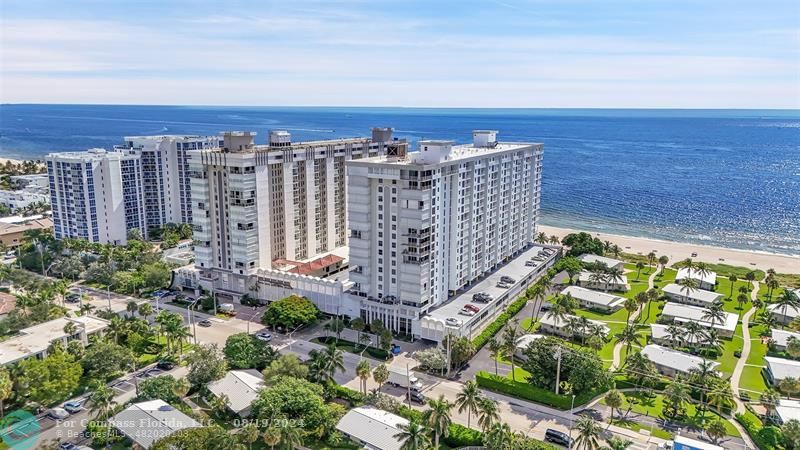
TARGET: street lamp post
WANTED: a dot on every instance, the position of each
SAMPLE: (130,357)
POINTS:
(572,406)
(290,336)
(361,354)
(190,317)
(250,319)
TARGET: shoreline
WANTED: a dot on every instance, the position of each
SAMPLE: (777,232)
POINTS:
(677,251)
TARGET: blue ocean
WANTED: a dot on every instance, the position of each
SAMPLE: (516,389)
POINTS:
(717,177)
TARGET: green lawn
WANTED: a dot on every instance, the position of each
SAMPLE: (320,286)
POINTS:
(653,406)
(729,301)
(753,380)
(631,425)
(651,312)
(728,360)
(666,277)
(758,350)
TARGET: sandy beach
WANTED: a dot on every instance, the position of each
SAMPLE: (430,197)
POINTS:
(677,251)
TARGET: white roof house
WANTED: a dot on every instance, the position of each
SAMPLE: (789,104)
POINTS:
(523,343)
(372,427)
(596,299)
(780,368)
(35,340)
(694,297)
(781,337)
(673,359)
(147,422)
(787,410)
(706,280)
(590,258)
(555,324)
(687,313)
(621,284)
(785,315)
(241,387)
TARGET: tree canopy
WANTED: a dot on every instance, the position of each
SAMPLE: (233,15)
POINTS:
(290,312)
(245,351)
(580,243)
(51,379)
(580,367)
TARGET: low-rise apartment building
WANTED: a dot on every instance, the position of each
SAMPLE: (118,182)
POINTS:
(33,342)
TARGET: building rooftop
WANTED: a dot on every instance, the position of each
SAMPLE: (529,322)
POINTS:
(559,323)
(667,357)
(452,153)
(590,258)
(659,331)
(781,337)
(788,409)
(700,295)
(595,297)
(93,154)
(782,368)
(240,386)
(373,426)
(147,422)
(585,277)
(524,341)
(685,443)
(790,311)
(709,277)
(36,339)
(45,223)
(684,313)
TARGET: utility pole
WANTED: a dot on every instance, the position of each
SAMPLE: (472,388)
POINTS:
(408,385)
(558,368)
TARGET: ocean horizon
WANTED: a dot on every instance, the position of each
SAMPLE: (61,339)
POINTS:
(727,178)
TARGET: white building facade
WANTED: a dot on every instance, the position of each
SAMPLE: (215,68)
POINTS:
(269,219)
(96,194)
(425,225)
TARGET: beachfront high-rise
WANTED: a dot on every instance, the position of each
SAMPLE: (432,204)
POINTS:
(424,225)
(165,168)
(265,214)
(96,194)
(100,195)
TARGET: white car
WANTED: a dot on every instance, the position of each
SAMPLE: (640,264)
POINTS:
(266,337)
(467,312)
(452,321)
(58,413)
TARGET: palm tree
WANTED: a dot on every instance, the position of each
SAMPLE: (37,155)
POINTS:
(538,294)
(225,441)
(499,436)
(675,395)
(769,400)
(363,371)
(720,396)
(786,300)
(630,305)
(116,327)
(750,277)
(652,296)
(181,387)
(733,279)
(380,375)
(496,351)
(651,258)
(291,436)
(714,313)
(541,238)
(628,336)
(70,328)
(487,413)
(613,400)
(675,334)
(509,340)
(438,418)
(102,401)
(741,299)
(588,433)
(789,385)
(688,285)
(639,267)
(716,430)
(598,277)
(614,275)
(663,260)
(694,333)
(413,436)
(468,399)
(334,360)
(131,308)
(772,284)
(272,437)
(701,375)
(6,388)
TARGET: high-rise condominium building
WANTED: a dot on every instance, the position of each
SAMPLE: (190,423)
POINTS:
(264,216)
(165,175)
(426,224)
(100,195)
(96,194)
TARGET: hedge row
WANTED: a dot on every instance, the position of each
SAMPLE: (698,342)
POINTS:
(498,323)
(527,391)
(352,396)
(765,438)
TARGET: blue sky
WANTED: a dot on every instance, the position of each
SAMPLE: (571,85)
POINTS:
(508,53)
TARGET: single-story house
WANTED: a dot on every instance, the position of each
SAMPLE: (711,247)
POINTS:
(784,316)
(780,338)
(707,280)
(523,343)
(34,341)
(373,428)
(786,410)
(696,297)
(671,362)
(590,299)
(780,368)
(589,258)
(241,387)
(684,443)
(619,285)
(556,326)
(660,336)
(146,422)
(680,313)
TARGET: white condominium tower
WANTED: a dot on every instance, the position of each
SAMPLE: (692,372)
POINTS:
(95,195)
(426,224)
(165,168)
(259,211)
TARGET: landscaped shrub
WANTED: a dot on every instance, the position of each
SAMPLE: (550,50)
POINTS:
(766,438)
(460,436)
(334,390)
(527,391)
(498,323)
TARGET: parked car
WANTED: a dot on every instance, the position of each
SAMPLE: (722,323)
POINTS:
(58,413)
(452,321)
(557,437)
(72,297)
(482,297)
(503,285)
(508,279)
(73,406)
(264,336)
(531,263)
(472,307)
(165,365)
(396,349)
(67,446)
(467,312)
(204,323)
(415,396)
